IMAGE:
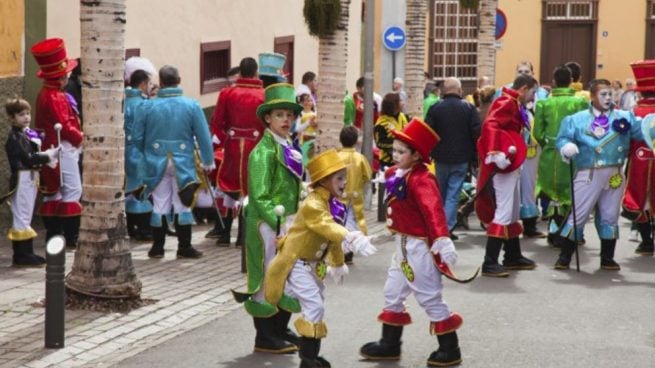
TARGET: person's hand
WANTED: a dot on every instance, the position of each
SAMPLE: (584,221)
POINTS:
(359,244)
(499,159)
(568,151)
(337,273)
(53,158)
(445,247)
(209,168)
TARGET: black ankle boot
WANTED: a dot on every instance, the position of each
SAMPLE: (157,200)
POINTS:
(530,228)
(567,247)
(645,248)
(388,348)
(24,255)
(448,353)
(131,221)
(491,267)
(221,232)
(184,247)
(267,340)
(514,260)
(282,327)
(607,255)
(309,349)
(158,241)
(71,227)
(143,229)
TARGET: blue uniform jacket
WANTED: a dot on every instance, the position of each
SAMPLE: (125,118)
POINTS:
(608,150)
(165,128)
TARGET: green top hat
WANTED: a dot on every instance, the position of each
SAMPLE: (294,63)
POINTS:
(279,96)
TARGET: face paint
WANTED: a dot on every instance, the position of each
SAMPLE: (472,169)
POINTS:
(602,100)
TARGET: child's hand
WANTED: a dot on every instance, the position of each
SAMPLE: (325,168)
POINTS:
(52,156)
(337,273)
(445,247)
(359,243)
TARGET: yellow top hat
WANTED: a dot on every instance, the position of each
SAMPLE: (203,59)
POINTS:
(324,164)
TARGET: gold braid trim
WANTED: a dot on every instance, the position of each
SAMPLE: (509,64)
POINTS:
(309,329)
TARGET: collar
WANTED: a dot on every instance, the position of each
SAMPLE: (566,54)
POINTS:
(347,149)
(596,113)
(280,140)
(511,93)
(322,192)
(452,95)
(249,83)
(562,91)
(134,92)
(170,92)
(576,86)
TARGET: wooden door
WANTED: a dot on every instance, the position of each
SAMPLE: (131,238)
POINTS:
(284,46)
(568,41)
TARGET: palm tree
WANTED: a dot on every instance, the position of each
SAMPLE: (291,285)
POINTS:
(329,21)
(487,40)
(103,264)
(415,56)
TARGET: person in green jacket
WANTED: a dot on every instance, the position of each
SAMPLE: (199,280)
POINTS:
(275,173)
(432,98)
(553,175)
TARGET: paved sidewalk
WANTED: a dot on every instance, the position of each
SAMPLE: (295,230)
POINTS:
(189,294)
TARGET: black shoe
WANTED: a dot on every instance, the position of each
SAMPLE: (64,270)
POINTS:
(609,265)
(513,259)
(348,258)
(309,349)
(189,252)
(519,264)
(553,240)
(214,233)
(282,329)
(534,234)
(387,348)
(156,252)
(491,267)
(494,270)
(448,353)
(267,341)
(607,255)
(645,249)
(453,236)
(24,255)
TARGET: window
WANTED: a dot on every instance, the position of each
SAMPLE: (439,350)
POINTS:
(455,46)
(650,30)
(284,46)
(570,10)
(651,12)
(214,64)
(132,52)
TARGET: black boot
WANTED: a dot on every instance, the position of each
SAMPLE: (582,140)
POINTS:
(71,227)
(514,260)
(241,231)
(448,353)
(167,227)
(645,248)
(158,241)
(491,267)
(52,226)
(282,327)
(530,228)
(267,341)
(348,258)
(309,349)
(24,255)
(607,255)
(131,222)
(388,348)
(184,247)
(143,229)
(565,253)
(221,231)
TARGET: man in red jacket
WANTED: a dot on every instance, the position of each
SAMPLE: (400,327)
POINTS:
(237,128)
(61,186)
(639,200)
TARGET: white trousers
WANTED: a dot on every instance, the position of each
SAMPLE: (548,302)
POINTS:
(22,201)
(269,242)
(304,285)
(508,201)
(529,181)
(71,190)
(426,286)
(164,196)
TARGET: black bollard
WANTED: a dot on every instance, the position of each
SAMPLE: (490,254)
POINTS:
(55,293)
(382,208)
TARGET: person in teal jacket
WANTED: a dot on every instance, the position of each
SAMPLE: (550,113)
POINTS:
(166,131)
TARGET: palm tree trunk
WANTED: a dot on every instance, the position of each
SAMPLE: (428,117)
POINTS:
(103,264)
(415,56)
(487,40)
(332,61)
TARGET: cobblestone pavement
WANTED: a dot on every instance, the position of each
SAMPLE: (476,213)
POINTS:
(189,294)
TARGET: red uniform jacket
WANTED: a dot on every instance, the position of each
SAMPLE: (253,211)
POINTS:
(52,107)
(641,173)
(236,124)
(419,212)
(500,131)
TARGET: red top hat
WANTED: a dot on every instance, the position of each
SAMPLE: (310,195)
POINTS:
(644,72)
(418,135)
(51,56)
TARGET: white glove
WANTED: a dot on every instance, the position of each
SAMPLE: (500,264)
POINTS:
(445,247)
(52,156)
(568,151)
(379,178)
(215,139)
(359,244)
(499,159)
(209,168)
(337,273)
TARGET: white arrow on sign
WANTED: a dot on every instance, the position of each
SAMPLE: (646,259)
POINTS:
(393,37)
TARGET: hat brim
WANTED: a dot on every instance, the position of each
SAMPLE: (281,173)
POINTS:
(70,65)
(399,135)
(327,172)
(284,105)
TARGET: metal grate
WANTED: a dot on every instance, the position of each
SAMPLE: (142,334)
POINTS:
(455,41)
(569,10)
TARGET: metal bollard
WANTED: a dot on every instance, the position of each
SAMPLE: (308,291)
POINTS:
(55,293)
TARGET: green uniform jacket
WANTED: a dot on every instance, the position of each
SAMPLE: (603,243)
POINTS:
(553,176)
(270,183)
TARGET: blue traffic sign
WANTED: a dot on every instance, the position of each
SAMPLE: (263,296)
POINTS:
(393,38)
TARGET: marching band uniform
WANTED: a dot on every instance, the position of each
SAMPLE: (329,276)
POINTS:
(553,176)
(502,151)
(165,131)
(24,158)
(603,141)
(415,214)
(639,199)
(61,209)
(359,173)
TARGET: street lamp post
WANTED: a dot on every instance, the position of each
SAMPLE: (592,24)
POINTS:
(55,293)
